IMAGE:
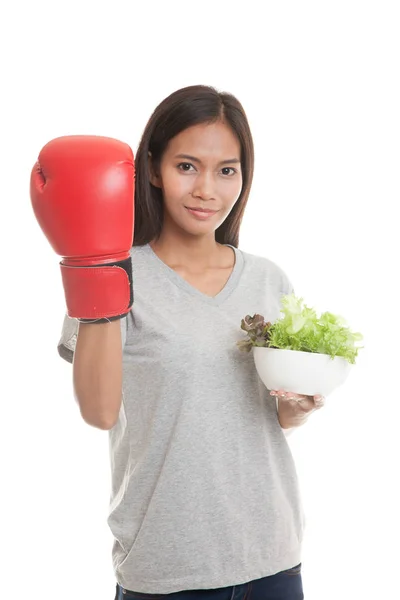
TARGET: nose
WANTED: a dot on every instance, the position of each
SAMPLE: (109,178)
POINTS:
(204,186)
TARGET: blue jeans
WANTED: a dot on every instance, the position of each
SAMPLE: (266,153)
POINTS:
(286,585)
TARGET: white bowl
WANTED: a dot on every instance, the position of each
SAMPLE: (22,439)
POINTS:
(300,372)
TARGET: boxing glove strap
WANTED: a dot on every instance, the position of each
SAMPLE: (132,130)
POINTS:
(98,293)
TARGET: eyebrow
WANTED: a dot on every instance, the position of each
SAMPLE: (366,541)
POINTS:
(194,159)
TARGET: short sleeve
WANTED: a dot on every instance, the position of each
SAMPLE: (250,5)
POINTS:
(286,285)
(69,335)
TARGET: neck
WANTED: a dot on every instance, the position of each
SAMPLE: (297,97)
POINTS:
(193,251)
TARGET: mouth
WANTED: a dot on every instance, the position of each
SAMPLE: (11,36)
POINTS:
(201,213)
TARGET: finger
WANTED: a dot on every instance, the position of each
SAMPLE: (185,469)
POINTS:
(289,395)
(281,394)
(298,397)
(301,405)
(319,401)
(306,404)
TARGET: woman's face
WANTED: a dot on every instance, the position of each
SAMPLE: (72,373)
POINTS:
(200,168)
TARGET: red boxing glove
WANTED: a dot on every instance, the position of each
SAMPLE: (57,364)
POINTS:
(82,193)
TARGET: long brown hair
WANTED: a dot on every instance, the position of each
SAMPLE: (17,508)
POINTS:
(182,109)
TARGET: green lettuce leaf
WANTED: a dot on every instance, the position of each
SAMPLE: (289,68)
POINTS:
(301,329)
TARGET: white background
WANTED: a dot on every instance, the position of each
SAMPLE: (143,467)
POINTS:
(320,84)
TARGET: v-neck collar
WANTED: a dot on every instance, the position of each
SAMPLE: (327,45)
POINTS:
(178,280)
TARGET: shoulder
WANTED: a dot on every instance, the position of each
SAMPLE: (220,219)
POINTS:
(137,251)
(261,266)
(141,258)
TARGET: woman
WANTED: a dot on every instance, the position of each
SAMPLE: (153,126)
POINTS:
(205,496)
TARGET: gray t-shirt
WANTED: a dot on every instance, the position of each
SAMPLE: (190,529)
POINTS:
(204,486)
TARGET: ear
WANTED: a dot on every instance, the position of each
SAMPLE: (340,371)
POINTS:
(154,176)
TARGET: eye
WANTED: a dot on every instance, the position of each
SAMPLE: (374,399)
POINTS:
(225,171)
(185,167)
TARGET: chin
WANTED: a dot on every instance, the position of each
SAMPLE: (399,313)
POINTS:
(202,229)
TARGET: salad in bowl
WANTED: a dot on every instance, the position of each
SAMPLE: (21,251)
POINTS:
(301,351)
